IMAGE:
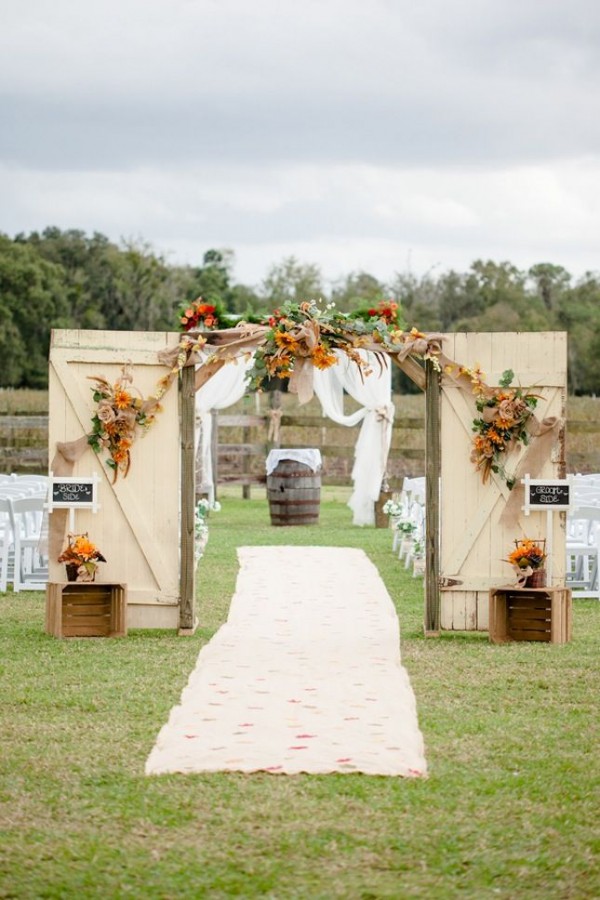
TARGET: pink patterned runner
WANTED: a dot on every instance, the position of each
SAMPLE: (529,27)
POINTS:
(305,676)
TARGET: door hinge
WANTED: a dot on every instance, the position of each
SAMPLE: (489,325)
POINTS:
(448,582)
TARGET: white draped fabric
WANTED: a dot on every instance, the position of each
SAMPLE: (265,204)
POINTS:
(374,393)
(224,389)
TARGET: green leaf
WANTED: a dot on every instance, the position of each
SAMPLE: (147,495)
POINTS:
(507,377)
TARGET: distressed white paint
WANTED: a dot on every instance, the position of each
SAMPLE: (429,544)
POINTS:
(474,542)
(137,526)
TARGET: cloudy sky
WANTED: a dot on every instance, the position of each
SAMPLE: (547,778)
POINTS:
(375,135)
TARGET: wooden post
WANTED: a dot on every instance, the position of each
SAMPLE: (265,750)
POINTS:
(275,406)
(187,608)
(432,499)
(246,462)
(214,449)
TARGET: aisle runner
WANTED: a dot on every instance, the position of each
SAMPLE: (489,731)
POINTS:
(305,676)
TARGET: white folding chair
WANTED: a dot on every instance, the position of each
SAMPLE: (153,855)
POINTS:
(417,516)
(30,567)
(38,482)
(6,543)
(583,547)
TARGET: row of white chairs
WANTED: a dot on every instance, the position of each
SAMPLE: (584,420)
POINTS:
(583,537)
(22,501)
(409,525)
(583,532)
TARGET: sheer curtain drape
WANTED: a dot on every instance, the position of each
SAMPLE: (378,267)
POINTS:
(225,388)
(374,393)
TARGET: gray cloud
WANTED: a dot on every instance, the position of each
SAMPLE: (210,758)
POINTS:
(446,127)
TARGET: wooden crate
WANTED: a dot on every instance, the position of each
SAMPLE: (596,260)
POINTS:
(530,614)
(75,609)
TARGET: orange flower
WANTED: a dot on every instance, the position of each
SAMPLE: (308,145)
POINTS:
(84,547)
(495,438)
(286,340)
(527,553)
(323,358)
(122,398)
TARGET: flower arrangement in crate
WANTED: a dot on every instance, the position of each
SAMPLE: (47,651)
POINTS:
(81,557)
(527,560)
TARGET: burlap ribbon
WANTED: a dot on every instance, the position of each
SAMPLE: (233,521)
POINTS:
(544,432)
(306,337)
(415,343)
(385,415)
(522,575)
(274,432)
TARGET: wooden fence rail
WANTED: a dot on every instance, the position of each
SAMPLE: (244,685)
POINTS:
(241,443)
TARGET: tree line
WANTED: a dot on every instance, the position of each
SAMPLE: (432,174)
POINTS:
(68,279)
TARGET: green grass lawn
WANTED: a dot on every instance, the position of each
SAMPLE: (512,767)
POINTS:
(510,808)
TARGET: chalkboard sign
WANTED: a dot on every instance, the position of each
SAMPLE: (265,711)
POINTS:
(548,494)
(554,495)
(70,493)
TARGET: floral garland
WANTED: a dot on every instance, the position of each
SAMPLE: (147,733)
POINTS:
(502,423)
(308,333)
(122,413)
(292,340)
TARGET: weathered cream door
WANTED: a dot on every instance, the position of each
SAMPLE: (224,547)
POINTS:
(474,538)
(138,525)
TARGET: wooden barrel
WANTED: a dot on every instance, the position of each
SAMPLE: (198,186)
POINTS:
(294,494)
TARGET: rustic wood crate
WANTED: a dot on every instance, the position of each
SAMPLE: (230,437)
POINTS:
(75,609)
(530,614)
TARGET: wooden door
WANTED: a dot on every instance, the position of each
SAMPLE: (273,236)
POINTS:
(138,525)
(474,538)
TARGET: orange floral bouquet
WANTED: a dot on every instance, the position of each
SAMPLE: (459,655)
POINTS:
(200,315)
(81,557)
(120,411)
(527,557)
(528,553)
(502,423)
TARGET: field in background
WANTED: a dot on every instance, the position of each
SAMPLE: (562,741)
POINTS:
(23,434)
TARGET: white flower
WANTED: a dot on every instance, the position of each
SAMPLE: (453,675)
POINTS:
(392,508)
